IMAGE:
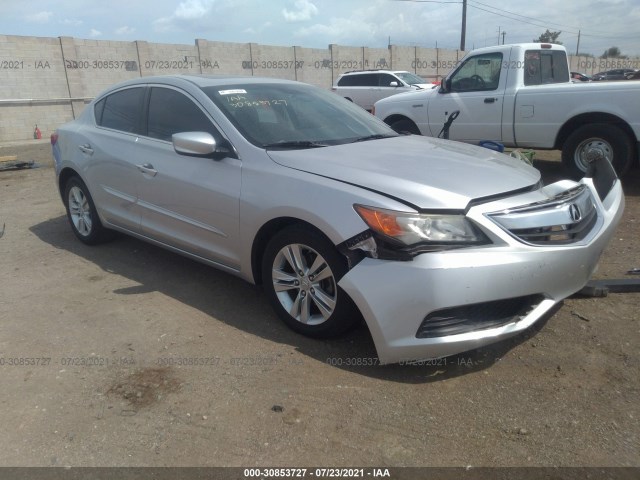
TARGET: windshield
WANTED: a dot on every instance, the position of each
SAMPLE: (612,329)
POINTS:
(270,115)
(410,78)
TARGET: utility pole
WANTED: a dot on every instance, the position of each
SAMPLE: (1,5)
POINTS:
(499,35)
(578,45)
(463,33)
(503,34)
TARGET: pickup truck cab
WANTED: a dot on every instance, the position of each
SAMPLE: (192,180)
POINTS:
(522,96)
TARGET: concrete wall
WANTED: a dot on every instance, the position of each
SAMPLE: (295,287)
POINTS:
(48,81)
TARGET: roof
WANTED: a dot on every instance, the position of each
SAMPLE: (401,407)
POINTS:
(197,80)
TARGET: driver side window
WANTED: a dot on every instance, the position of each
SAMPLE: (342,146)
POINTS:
(172,112)
(478,73)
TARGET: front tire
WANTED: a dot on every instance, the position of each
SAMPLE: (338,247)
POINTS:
(81,213)
(405,126)
(589,142)
(300,272)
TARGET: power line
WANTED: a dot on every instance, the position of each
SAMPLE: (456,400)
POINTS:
(544,23)
(511,18)
(571,31)
(427,1)
(523,16)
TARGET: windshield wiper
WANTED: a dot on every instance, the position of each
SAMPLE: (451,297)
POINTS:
(377,136)
(295,144)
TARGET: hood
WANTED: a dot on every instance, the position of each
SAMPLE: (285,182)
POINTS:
(421,95)
(426,173)
(423,86)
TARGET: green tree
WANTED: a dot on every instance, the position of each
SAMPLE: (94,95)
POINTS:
(548,37)
(612,52)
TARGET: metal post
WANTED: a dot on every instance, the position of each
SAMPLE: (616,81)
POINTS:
(463,33)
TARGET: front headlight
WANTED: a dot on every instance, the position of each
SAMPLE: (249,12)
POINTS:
(421,231)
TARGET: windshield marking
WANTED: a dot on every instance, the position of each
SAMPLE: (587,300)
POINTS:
(231,92)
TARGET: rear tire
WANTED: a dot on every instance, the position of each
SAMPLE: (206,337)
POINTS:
(300,273)
(591,141)
(81,213)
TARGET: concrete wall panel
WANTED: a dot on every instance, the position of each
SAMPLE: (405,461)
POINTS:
(313,66)
(377,58)
(167,59)
(224,58)
(48,81)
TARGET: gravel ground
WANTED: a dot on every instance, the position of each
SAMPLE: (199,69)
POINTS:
(128,355)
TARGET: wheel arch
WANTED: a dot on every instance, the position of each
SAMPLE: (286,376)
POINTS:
(592,117)
(64,177)
(266,233)
(396,117)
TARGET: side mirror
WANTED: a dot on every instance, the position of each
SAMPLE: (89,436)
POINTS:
(393,84)
(445,86)
(199,144)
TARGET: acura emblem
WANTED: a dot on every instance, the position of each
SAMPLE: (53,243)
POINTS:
(574,213)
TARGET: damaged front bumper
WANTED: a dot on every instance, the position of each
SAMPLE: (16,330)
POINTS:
(446,302)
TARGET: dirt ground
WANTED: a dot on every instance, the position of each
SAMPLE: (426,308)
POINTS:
(126,354)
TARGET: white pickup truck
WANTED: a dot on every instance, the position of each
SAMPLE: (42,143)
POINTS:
(522,96)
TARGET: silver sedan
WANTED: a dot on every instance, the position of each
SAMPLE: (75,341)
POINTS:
(441,247)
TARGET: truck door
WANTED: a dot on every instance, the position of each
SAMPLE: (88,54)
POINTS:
(476,89)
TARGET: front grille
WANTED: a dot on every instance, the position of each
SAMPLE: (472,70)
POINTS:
(478,316)
(563,219)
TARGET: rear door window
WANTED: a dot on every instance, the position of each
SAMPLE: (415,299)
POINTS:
(121,110)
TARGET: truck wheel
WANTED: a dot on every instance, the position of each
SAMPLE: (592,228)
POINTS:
(590,142)
(405,126)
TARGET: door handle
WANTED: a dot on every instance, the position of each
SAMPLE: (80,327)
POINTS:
(490,100)
(86,148)
(147,168)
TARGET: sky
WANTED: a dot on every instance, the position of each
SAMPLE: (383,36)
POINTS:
(318,23)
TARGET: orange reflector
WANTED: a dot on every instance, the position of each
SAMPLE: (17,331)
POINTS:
(380,221)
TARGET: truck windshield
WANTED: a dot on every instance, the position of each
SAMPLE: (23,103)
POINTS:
(410,78)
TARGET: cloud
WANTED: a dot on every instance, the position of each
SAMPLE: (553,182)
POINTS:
(192,9)
(304,11)
(338,29)
(95,33)
(187,14)
(125,30)
(40,17)
(74,22)
(162,24)
(371,24)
